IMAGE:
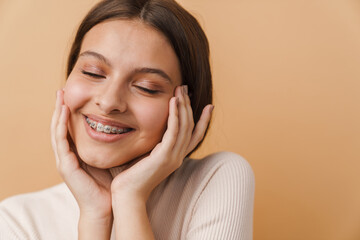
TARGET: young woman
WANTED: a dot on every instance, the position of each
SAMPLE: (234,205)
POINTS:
(136,103)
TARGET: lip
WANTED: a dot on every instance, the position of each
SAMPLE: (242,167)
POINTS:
(105,137)
(105,121)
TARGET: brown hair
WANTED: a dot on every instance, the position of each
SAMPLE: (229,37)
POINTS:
(181,29)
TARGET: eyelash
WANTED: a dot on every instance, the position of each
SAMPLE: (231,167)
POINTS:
(150,91)
(92,74)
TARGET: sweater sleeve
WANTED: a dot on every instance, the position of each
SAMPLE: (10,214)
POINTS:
(51,213)
(224,209)
(10,228)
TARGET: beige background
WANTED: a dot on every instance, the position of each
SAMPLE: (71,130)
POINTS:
(287,96)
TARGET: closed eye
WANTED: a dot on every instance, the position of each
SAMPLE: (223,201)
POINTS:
(94,75)
(148,90)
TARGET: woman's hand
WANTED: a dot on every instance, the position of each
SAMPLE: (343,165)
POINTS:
(90,186)
(144,174)
(132,187)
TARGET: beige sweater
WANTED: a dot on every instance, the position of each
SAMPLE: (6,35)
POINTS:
(207,199)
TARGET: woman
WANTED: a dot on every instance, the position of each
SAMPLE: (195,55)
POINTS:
(137,101)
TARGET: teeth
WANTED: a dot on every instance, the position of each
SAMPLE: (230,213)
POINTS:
(99,127)
(107,129)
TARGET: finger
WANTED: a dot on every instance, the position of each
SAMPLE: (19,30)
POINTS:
(200,128)
(61,129)
(62,144)
(189,109)
(172,130)
(54,121)
(185,124)
(55,116)
(190,116)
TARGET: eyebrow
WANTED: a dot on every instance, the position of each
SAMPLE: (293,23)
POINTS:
(154,71)
(137,70)
(96,55)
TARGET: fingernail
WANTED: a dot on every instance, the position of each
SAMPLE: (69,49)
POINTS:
(212,108)
(185,89)
(176,100)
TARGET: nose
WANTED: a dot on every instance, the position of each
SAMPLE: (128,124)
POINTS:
(111,99)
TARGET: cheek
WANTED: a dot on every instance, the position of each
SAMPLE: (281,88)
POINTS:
(154,117)
(76,94)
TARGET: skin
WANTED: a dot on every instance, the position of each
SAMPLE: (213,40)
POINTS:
(164,131)
(118,95)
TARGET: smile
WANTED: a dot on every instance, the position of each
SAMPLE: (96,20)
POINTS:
(99,127)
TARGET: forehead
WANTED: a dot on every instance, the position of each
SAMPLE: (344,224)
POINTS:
(132,43)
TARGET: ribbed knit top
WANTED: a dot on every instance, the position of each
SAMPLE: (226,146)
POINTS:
(210,198)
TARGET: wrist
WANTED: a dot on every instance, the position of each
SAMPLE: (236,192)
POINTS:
(128,194)
(130,217)
(96,216)
(91,227)
(128,200)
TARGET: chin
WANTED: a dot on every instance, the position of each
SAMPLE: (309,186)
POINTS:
(102,161)
(106,160)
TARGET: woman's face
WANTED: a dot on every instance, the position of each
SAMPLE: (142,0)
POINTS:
(118,92)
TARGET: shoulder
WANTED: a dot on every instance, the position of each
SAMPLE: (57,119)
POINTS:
(36,213)
(222,166)
(39,199)
(224,197)
(227,160)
